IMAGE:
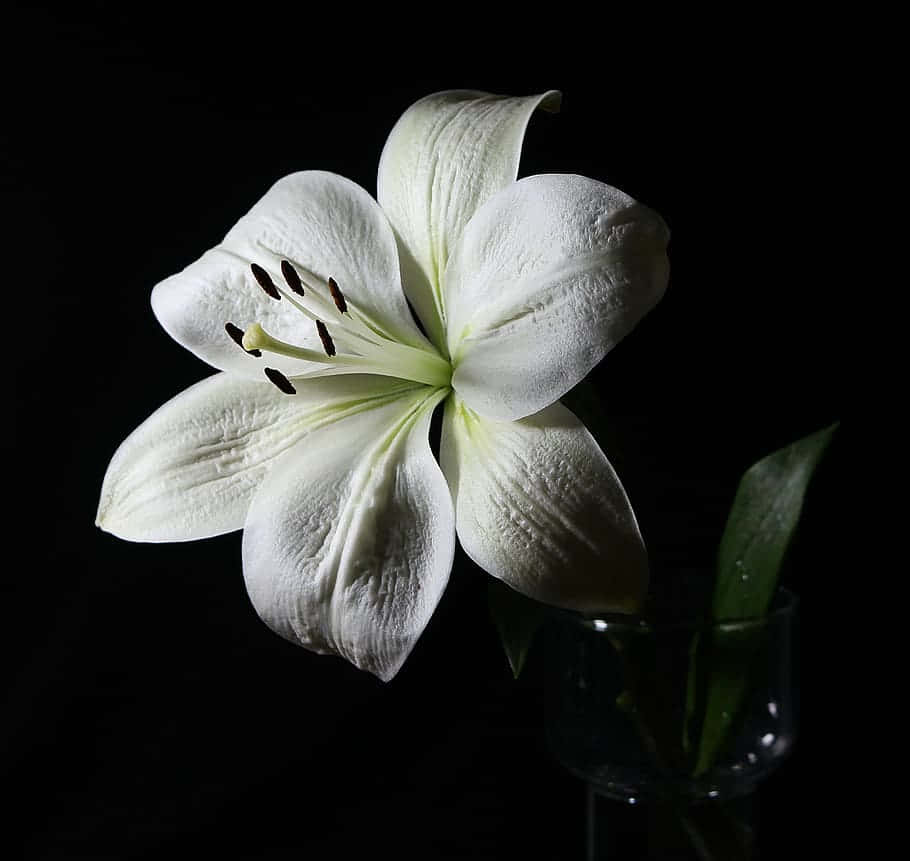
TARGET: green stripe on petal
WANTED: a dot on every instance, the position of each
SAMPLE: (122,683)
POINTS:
(548,276)
(325,226)
(191,469)
(348,546)
(538,506)
(446,155)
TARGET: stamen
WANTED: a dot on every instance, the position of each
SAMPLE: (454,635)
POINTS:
(326,338)
(281,381)
(337,296)
(265,281)
(236,334)
(292,278)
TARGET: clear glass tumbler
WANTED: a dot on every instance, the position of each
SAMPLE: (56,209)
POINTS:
(680,718)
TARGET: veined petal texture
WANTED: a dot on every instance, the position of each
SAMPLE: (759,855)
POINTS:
(191,469)
(538,505)
(327,227)
(348,545)
(548,276)
(446,155)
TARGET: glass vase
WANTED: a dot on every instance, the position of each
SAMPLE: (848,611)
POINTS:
(672,726)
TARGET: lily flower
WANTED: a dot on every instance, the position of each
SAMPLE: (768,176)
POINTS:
(313,437)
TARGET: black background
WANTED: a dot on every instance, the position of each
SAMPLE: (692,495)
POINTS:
(148,710)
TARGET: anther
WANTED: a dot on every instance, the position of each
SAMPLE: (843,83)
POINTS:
(326,338)
(236,334)
(337,296)
(291,276)
(265,281)
(281,381)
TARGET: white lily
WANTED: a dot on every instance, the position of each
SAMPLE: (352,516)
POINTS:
(349,521)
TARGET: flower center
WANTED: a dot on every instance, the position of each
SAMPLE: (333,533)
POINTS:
(366,350)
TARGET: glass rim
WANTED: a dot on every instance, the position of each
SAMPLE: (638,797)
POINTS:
(602,623)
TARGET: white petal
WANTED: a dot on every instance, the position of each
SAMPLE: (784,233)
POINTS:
(539,506)
(348,546)
(324,224)
(191,469)
(447,154)
(548,276)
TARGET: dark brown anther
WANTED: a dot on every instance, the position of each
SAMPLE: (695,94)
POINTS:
(291,276)
(236,334)
(281,381)
(265,281)
(326,338)
(337,296)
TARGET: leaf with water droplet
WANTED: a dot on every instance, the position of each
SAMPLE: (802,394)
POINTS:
(759,530)
(761,525)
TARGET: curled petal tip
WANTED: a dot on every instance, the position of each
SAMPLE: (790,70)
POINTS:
(552,102)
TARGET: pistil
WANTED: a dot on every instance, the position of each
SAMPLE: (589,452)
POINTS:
(236,334)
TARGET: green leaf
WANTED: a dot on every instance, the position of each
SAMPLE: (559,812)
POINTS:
(721,670)
(759,530)
(517,619)
(761,524)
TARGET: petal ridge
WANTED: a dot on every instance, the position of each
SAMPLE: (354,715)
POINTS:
(539,506)
(347,551)
(549,275)
(447,154)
